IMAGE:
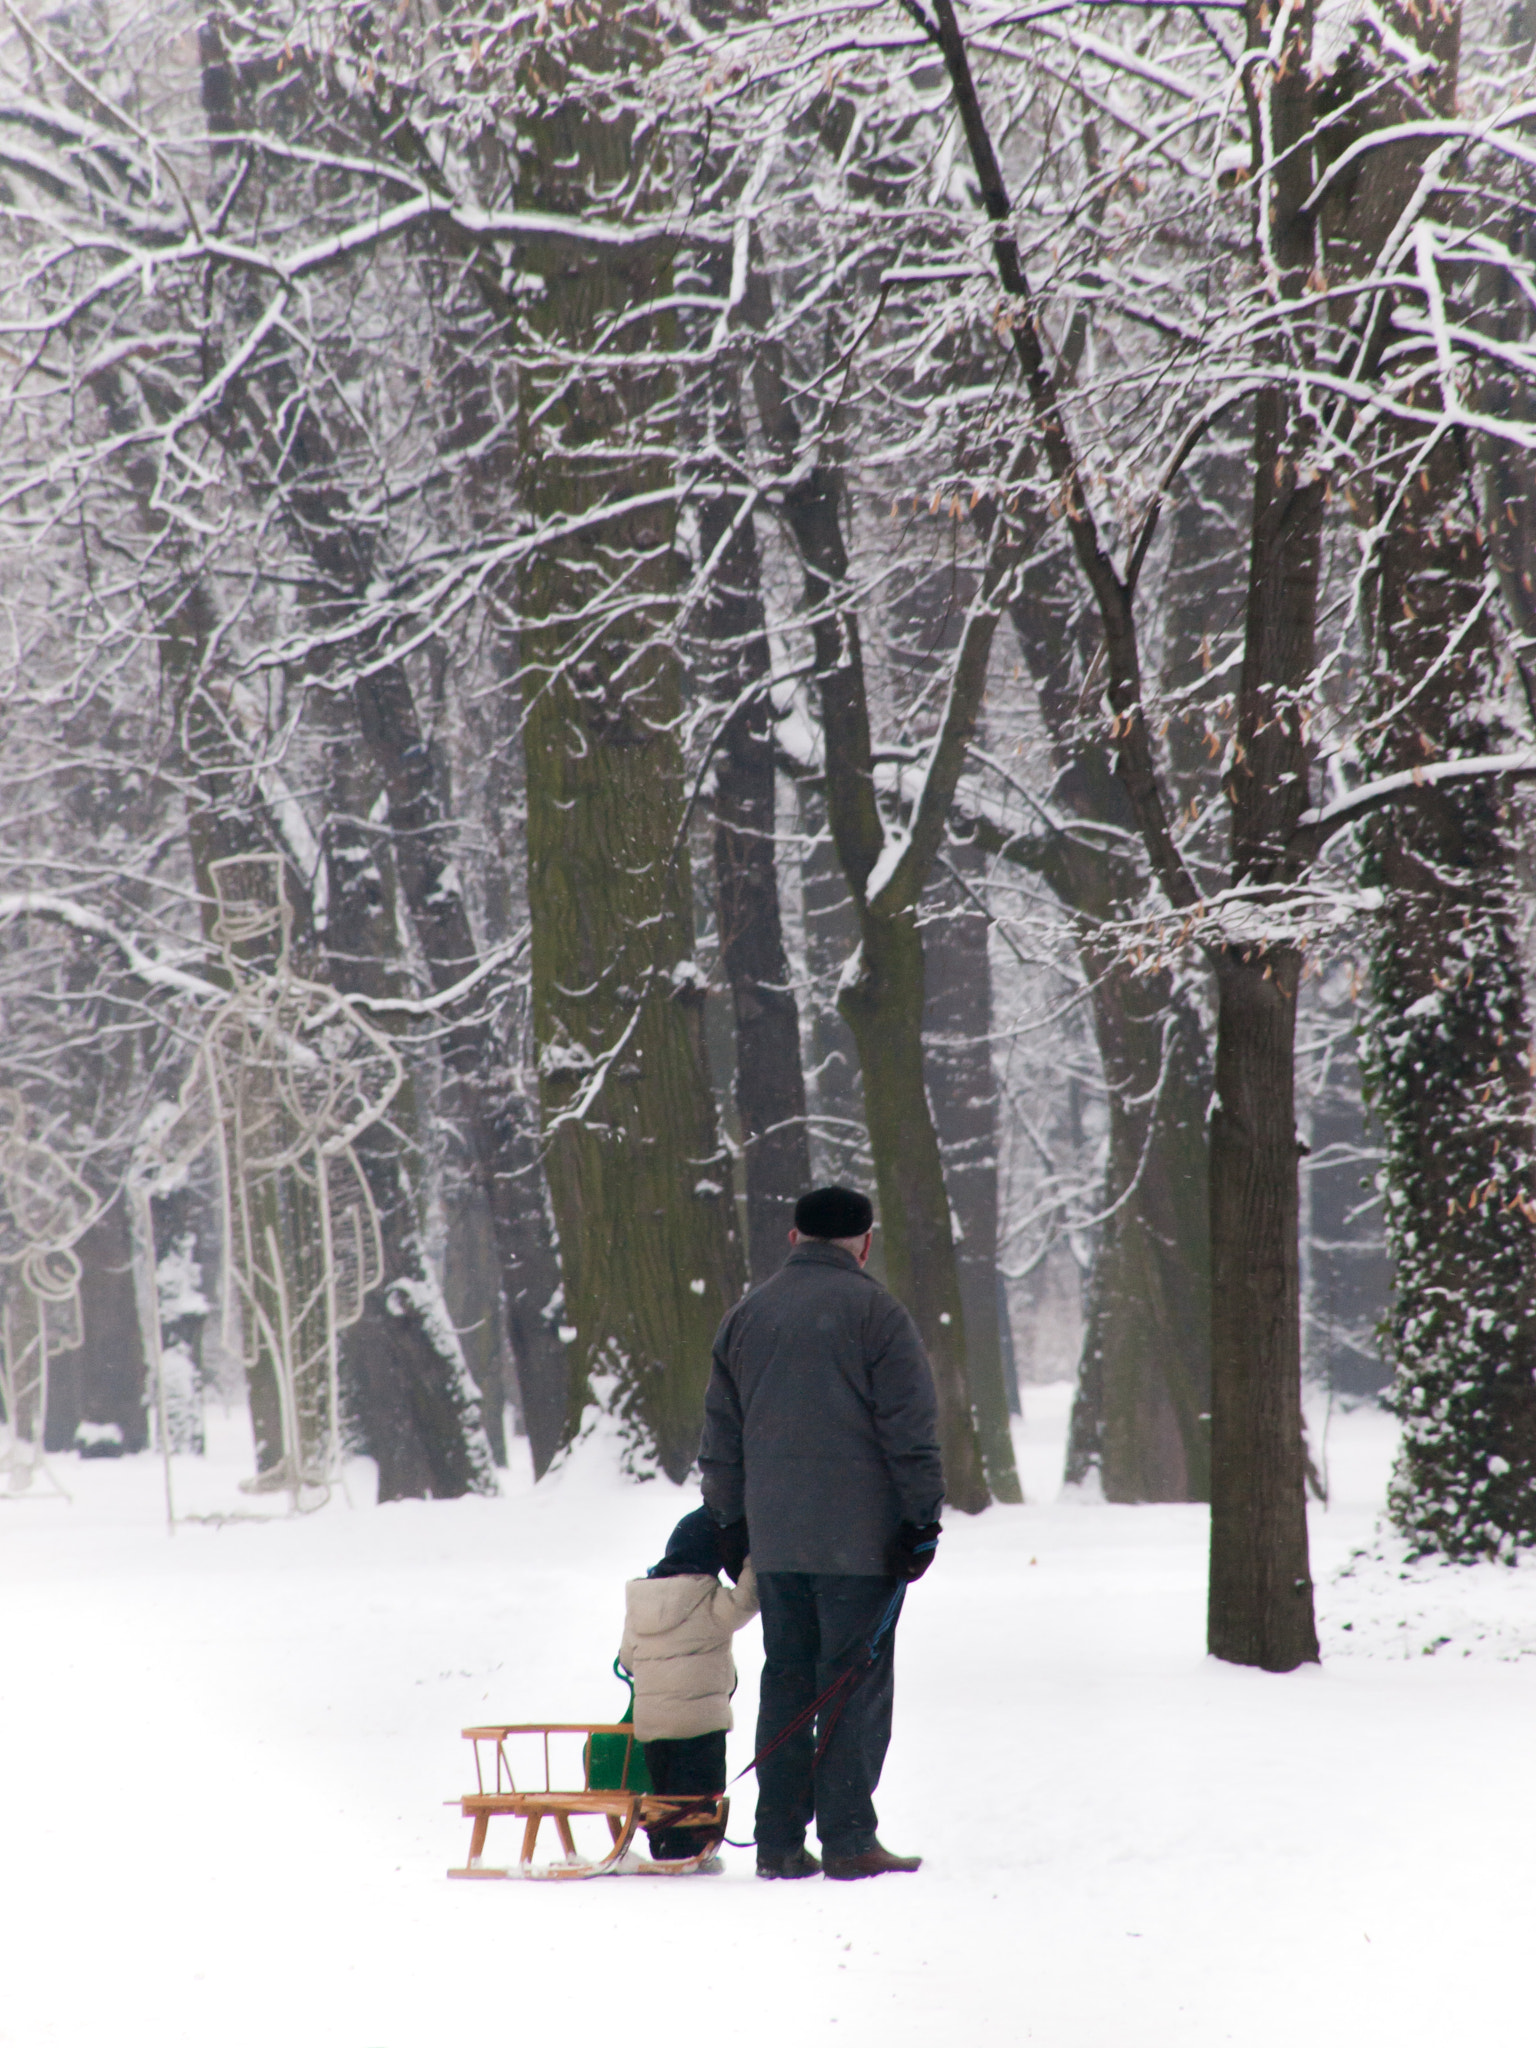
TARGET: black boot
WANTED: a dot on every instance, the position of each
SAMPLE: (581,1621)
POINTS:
(786,1862)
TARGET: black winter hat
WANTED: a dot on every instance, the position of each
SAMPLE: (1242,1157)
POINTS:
(693,1546)
(834,1212)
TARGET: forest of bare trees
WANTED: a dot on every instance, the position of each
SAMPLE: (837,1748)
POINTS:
(930,594)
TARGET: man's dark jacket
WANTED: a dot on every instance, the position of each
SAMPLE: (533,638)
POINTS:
(820,1424)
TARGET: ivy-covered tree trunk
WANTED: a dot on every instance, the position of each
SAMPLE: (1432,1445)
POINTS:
(1449,1029)
(1447,1046)
(640,1183)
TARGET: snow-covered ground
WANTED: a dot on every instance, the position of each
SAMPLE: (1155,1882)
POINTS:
(227,1755)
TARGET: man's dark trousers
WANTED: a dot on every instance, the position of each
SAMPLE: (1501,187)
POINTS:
(815,1624)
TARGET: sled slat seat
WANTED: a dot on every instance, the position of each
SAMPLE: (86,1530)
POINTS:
(497,1793)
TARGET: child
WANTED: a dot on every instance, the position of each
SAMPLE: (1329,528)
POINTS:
(678,1624)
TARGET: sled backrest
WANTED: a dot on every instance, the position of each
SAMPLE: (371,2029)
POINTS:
(611,1760)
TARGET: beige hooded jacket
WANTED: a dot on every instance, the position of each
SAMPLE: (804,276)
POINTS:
(677,1648)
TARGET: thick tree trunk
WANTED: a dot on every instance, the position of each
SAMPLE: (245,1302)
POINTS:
(1450,1020)
(1260,1595)
(640,1183)
(1260,1602)
(405,1378)
(1447,1039)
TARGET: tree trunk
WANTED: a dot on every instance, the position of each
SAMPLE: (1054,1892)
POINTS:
(104,1381)
(839,1134)
(1260,1595)
(734,660)
(883,1004)
(1142,1412)
(962,1089)
(734,664)
(1447,1038)
(1450,1022)
(640,1183)
(882,992)
(406,1378)
(472,1296)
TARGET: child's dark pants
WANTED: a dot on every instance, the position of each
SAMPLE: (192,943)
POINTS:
(693,1763)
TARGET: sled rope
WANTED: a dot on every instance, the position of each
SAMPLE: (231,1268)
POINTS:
(837,1694)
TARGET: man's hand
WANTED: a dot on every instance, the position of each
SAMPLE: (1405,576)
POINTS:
(734,1544)
(912,1549)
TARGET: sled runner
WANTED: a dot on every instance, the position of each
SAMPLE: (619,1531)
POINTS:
(608,1751)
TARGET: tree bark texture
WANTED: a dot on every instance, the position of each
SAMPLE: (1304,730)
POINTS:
(1260,1608)
(1260,1594)
(640,1182)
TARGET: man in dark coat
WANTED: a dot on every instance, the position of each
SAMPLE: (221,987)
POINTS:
(821,1436)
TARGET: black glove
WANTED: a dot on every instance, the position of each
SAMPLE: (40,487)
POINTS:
(734,1544)
(912,1549)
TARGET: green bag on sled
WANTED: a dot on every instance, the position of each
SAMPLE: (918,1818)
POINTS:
(608,1755)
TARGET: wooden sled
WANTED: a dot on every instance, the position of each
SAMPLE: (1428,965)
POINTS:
(625,1811)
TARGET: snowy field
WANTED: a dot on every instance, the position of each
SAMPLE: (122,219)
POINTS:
(228,1754)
